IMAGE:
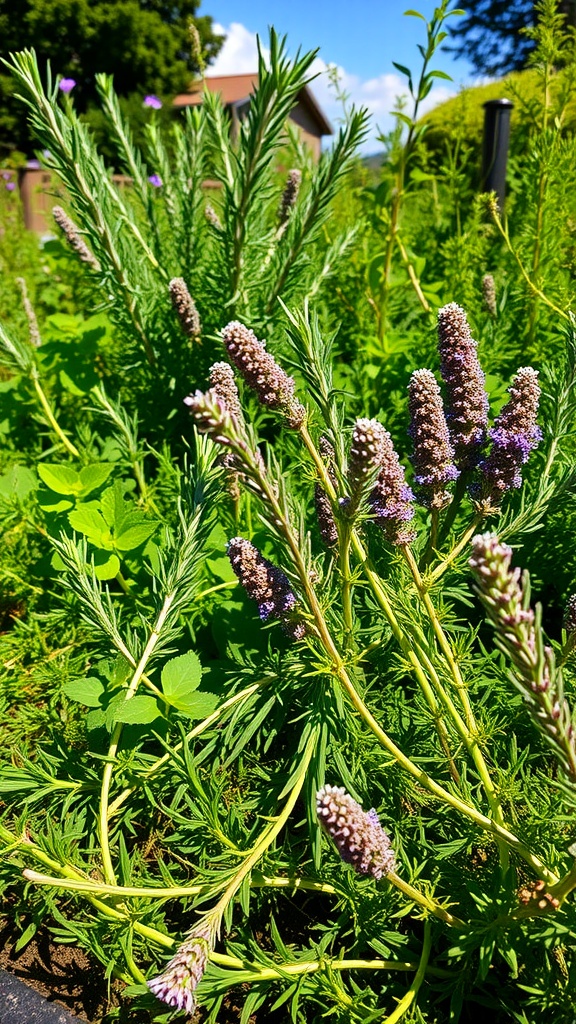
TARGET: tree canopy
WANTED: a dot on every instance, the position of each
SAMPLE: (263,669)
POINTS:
(491,34)
(147,45)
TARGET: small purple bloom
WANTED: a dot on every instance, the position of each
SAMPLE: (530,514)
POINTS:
(514,436)
(66,85)
(7,175)
(156,180)
(11,186)
(265,583)
(153,102)
(33,165)
(358,835)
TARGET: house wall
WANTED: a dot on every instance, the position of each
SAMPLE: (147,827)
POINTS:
(308,126)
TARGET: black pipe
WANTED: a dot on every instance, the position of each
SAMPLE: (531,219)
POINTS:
(495,147)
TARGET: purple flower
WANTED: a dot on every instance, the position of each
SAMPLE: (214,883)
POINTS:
(11,185)
(367,453)
(467,412)
(433,457)
(391,499)
(358,835)
(153,102)
(177,983)
(66,84)
(33,165)
(156,180)
(514,435)
(7,175)
(266,584)
(289,195)
(261,372)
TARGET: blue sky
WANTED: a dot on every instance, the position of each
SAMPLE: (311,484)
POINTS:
(362,37)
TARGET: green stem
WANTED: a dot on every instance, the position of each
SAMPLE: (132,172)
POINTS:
(103,814)
(472,729)
(406,1002)
(456,550)
(338,668)
(50,416)
(196,731)
(533,288)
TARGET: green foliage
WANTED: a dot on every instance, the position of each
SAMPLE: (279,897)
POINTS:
(164,734)
(147,45)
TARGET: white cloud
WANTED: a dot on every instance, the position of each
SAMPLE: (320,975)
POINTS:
(239,55)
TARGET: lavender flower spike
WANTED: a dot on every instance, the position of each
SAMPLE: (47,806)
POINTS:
(391,499)
(261,372)
(505,595)
(367,453)
(359,837)
(177,983)
(433,457)
(224,385)
(467,413)
(513,436)
(570,615)
(266,584)
(74,237)
(289,195)
(185,307)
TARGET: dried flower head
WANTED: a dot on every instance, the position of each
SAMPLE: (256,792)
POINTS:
(359,837)
(177,984)
(489,294)
(185,307)
(514,435)
(261,372)
(467,412)
(74,238)
(212,217)
(266,584)
(289,195)
(325,517)
(433,457)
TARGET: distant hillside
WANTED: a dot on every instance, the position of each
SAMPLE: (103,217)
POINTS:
(463,115)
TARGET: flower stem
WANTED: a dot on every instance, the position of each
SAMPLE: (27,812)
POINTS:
(50,415)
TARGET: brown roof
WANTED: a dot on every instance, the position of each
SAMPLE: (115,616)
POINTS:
(235,88)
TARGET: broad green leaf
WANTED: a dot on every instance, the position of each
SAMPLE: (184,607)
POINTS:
(135,536)
(221,569)
(198,705)
(180,678)
(61,479)
(49,502)
(86,691)
(181,675)
(106,567)
(69,385)
(94,476)
(440,74)
(95,719)
(17,482)
(88,519)
(140,710)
